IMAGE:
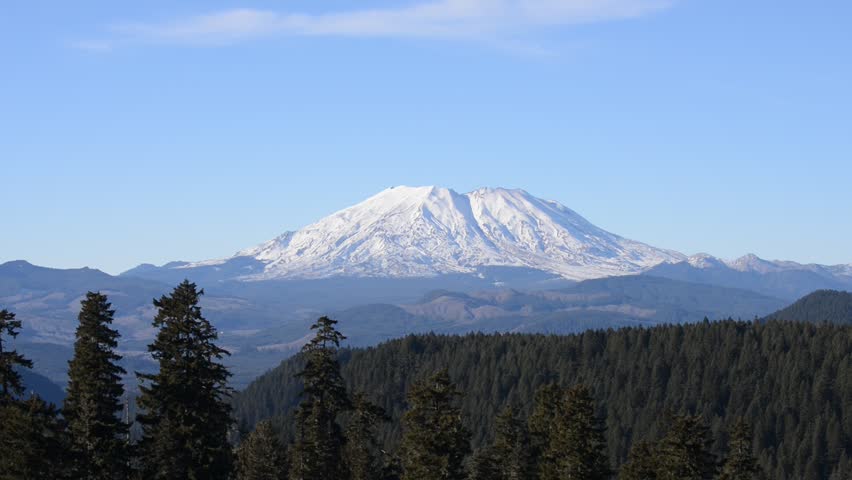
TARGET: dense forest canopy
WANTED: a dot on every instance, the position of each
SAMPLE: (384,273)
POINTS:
(706,401)
(821,306)
(791,381)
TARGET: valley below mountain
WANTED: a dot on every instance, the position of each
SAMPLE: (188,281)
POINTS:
(261,323)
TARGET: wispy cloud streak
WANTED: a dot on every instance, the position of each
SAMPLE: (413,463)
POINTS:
(474,19)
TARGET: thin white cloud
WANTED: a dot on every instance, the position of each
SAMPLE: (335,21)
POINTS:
(92,45)
(475,19)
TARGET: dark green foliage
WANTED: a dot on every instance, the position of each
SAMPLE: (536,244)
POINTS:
(392,469)
(363,454)
(261,455)
(512,448)
(685,451)
(33,444)
(98,436)
(510,456)
(576,448)
(791,381)
(821,306)
(642,462)
(740,464)
(10,360)
(434,442)
(543,422)
(185,417)
(318,449)
(321,375)
(484,465)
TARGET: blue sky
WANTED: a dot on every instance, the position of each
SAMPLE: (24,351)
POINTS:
(152,131)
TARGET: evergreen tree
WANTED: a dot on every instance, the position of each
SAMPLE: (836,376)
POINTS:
(484,465)
(641,462)
(509,457)
(740,464)
(11,386)
(363,453)
(262,456)
(685,452)
(321,375)
(542,422)
(318,450)
(434,442)
(577,449)
(98,436)
(185,416)
(33,443)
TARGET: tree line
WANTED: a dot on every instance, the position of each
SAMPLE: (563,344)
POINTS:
(563,438)
(820,306)
(336,431)
(790,381)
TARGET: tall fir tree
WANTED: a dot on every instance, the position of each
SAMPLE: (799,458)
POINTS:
(577,448)
(435,442)
(99,443)
(685,451)
(642,462)
(262,455)
(11,385)
(318,449)
(740,463)
(363,453)
(185,415)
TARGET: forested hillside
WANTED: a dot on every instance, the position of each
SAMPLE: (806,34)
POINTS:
(703,401)
(791,381)
(41,386)
(830,306)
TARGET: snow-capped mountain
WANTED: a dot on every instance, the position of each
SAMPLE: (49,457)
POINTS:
(781,279)
(428,231)
(751,263)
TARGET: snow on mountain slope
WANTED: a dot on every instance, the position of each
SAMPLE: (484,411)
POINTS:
(704,261)
(751,263)
(427,231)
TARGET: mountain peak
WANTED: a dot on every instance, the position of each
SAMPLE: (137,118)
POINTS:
(705,260)
(17,264)
(752,263)
(424,231)
(500,191)
(400,191)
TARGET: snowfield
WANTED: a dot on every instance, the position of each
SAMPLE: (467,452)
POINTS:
(427,231)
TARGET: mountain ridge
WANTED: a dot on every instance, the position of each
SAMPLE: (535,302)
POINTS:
(428,231)
(778,278)
(422,232)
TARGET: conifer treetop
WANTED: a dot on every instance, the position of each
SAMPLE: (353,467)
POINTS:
(11,385)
